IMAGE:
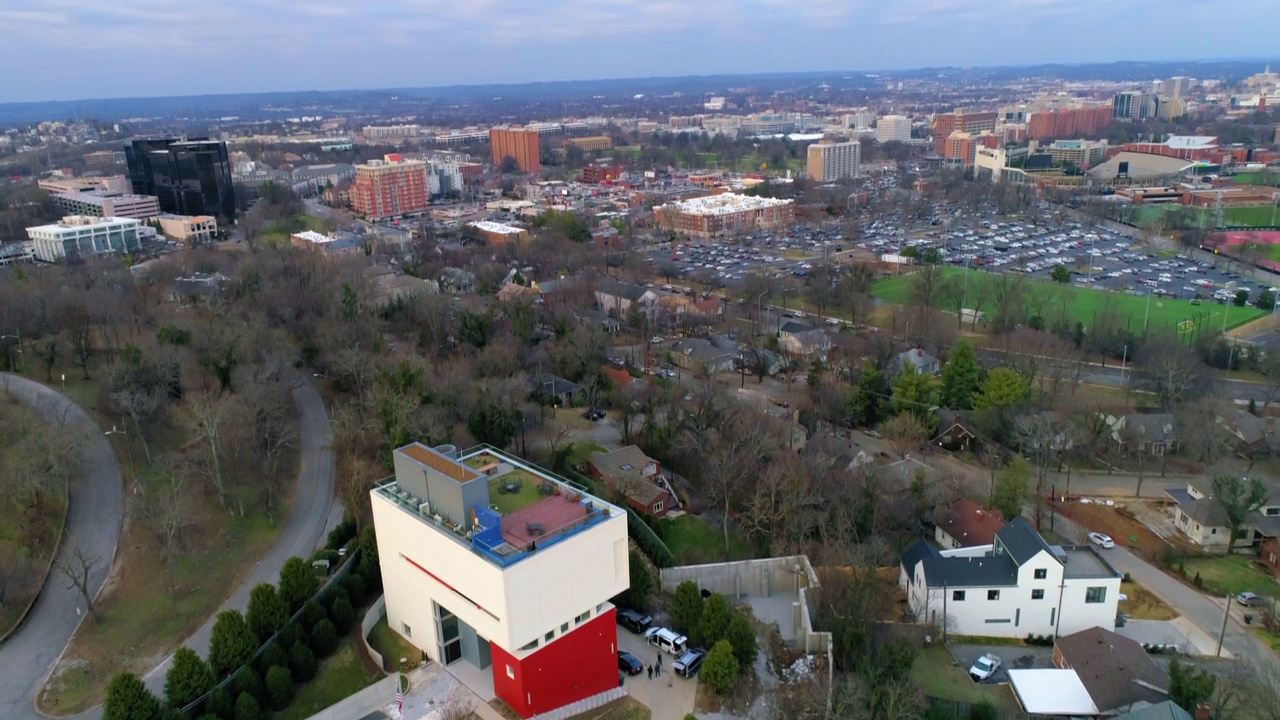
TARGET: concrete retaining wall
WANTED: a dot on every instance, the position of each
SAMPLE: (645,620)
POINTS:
(371,617)
(360,704)
(765,578)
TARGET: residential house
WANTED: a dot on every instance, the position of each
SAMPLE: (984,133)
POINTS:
(831,451)
(1203,520)
(457,281)
(1016,586)
(555,387)
(199,285)
(606,238)
(807,345)
(1148,433)
(1116,671)
(901,475)
(1269,553)
(954,430)
(919,360)
(1167,710)
(616,298)
(1247,433)
(596,317)
(793,327)
(634,475)
(967,524)
(386,285)
(698,354)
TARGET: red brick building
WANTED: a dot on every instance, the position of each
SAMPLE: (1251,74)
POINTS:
(958,120)
(520,145)
(390,187)
(1069,123)
(724,214)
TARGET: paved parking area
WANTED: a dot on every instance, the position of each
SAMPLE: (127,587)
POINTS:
(666,696)
(1013,656)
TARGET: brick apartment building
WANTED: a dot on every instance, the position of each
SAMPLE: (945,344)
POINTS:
(390,187)
(958,120)
(1072,122)
(590,144)
(724,214)
(519,144)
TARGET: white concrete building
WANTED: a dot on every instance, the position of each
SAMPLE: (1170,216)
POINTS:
(489,561)
(831,161)
(99,203)
(79,236)
(893,128)
(1018,586)
(189,229)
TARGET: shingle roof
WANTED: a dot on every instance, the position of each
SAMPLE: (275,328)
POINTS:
(970,523)
(792,327)
(1115,670)
(1020,541)
(614,288)
(1167,710)
(959,572)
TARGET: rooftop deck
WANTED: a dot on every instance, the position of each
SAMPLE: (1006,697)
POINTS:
(1084,562)
(529,509)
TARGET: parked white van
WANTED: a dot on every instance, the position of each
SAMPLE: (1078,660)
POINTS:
(668,641)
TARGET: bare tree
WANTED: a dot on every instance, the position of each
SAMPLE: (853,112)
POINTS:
(77,567)
(904,432)
(208,415)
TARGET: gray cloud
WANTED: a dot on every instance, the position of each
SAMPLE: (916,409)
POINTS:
(65,49)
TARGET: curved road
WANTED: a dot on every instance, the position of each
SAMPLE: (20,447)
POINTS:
(31,653)
(96,507)
(312,500)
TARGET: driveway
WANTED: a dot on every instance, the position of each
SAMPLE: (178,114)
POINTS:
(668,695)
(303,528)
(96,507)
(1013,657)
(1203,612)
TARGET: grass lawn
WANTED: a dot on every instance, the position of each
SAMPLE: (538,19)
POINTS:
(692,539)
(625,708)
(1270,637)
(1142,605)
(1258,178)
(508,502)
(391,646)
(1255,216)
(339,676)
(1230,574)
(583,450)
(936,674)
(1084,304)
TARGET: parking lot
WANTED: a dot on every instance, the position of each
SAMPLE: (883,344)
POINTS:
(1095,258)
(1012,656)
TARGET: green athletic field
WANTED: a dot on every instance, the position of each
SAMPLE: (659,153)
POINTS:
(1085,304)
(1253,216)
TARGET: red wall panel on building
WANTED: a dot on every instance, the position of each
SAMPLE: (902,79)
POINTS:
(580,664)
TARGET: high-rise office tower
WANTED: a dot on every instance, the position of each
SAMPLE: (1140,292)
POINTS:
(829,161)
(188,176)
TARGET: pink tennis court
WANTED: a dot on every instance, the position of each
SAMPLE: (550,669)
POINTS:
(1233,242)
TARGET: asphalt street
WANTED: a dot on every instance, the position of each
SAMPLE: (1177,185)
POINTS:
(96,510)
(1204,612)
(93,523)
(303,527)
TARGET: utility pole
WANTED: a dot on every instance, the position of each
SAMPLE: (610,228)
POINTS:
(1226,615)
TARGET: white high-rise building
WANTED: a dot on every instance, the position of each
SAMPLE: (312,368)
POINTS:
(893,128)
(830,161)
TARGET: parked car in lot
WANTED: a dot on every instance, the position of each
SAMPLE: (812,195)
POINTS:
(984,667)
(688,664)
(667,640)
(1101,540)
(629,664)
(1249,599)
(634,620)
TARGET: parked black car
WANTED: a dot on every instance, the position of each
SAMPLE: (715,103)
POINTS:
(629,664)
(634,620)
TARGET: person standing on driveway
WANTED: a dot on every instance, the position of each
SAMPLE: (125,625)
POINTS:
(650,669)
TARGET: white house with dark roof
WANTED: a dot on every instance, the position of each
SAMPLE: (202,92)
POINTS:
(1017,586)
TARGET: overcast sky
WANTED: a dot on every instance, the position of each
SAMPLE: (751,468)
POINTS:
(70,49)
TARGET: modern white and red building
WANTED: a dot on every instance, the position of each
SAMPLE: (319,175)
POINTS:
(491,561)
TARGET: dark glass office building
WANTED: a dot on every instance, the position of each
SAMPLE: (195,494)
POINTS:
(189,176)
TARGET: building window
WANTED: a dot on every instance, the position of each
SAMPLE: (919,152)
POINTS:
(998,621)
(408,631)
(1037,594)
(564,628)
(957,595)
(511,673)
(1273,511)
(582,618)
(993,594)
(1041,574)
(657,507)
(551,635)
(1095,595)
(529,645)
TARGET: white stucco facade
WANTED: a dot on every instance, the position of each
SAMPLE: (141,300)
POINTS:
(1045,595)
